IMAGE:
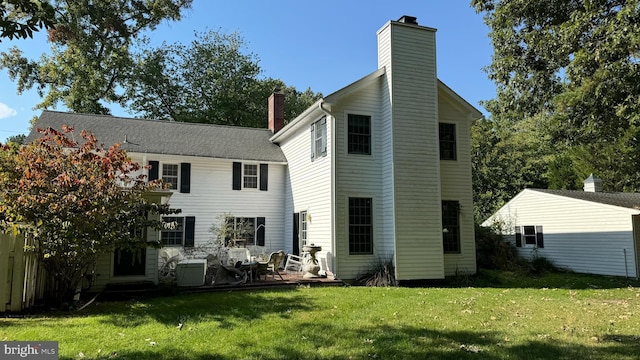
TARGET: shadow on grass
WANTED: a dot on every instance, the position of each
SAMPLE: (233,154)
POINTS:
(224,308)
(555,279)
(388,342)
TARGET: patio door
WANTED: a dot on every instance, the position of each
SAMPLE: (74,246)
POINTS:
(129,262)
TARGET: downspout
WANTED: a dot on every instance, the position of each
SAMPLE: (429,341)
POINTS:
(334,265)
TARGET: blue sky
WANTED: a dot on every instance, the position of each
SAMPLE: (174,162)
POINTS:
(319,45)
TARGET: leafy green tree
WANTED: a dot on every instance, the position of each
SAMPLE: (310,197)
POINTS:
(18,139)
(211,80)
(506,158)
(573,66)
(90,52)
(77,201)
(21,18)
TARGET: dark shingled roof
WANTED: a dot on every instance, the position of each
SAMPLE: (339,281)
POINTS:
(627,200)
(169,137)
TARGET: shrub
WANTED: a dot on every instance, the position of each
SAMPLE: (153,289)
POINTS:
(540,265)
(382,273)
(492,252)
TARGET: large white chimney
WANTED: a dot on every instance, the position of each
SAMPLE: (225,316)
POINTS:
(592,184)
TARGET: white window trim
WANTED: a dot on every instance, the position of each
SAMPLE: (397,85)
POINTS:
(255,232)
(161,174)
(242,175)
(535,238)
(304,232)
(315,155)
(182,230)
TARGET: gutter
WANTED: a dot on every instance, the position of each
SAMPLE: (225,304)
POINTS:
(334,266)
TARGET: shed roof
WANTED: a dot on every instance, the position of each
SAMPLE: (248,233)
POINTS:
(169,137)
(622,199)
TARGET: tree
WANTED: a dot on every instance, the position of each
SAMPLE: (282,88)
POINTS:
(506,158)
(77,201)
(20,18)
(90,52)
(212,80)
(572,67)
(18,139)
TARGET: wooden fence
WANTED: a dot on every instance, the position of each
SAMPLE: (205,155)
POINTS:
(22,281)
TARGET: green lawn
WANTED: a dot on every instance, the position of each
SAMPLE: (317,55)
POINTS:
(558,316)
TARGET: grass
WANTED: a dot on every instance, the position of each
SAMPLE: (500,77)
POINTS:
(502,316)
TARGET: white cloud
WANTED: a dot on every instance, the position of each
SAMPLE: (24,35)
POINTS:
(6,111)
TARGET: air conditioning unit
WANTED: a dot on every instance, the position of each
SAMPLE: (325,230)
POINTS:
(191,272)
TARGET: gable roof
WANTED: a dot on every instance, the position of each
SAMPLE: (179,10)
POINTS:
(621,199)
(168,137)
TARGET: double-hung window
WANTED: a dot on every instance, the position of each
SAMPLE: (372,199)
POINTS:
(250,176)
(173,233)
(451,227)
(319,138)
(529,236)
(359,134)
(177,176)
(170,175)
(360,226)
(245,230)
(178,231)
(447,138)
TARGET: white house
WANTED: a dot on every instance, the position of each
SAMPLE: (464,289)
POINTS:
(378,169)
(584,231)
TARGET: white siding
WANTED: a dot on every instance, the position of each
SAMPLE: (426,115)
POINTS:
(387,205)
(359,176)
(211,195)
(309,185)
(579,235)
(408,53)
(455,182)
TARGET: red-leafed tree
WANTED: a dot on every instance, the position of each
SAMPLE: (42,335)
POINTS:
(77,200)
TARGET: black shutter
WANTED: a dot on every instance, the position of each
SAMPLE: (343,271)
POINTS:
(260,230)
(518,236)
(296,235)
(185,177)
(539,236)
(189,231)
(237,176)
(264,177)
(154,168)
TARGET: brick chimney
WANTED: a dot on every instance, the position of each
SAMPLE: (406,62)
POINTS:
(276,111)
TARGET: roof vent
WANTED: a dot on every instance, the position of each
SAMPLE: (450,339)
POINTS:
(592,184)
(408,19)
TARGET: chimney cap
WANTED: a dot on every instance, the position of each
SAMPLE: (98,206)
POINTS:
(592,184)
(408,19)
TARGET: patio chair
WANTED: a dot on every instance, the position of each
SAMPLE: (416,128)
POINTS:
(240,258)
(273,265)
(293,264)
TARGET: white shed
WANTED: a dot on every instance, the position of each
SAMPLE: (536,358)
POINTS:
(583,231)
